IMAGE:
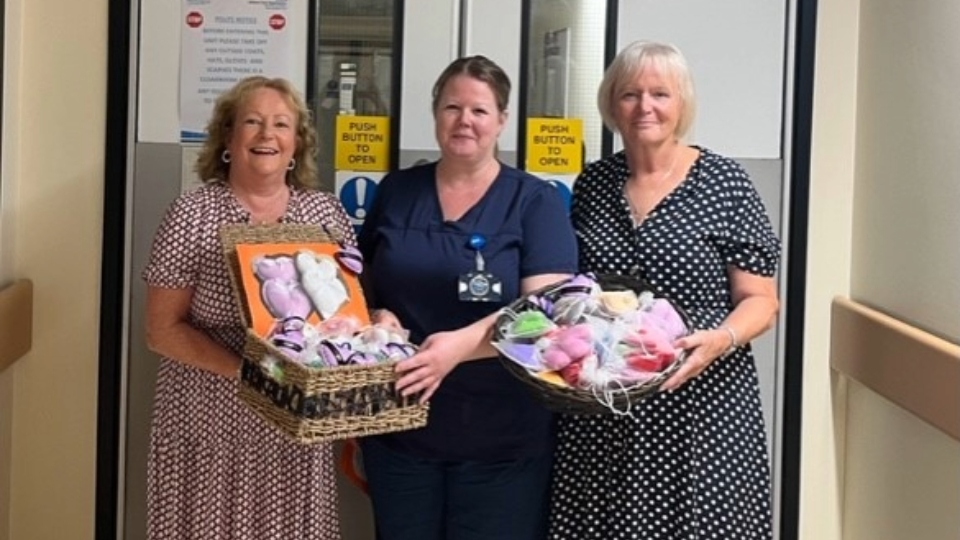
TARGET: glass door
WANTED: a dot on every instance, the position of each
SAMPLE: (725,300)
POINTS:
(354,67)
(562,129)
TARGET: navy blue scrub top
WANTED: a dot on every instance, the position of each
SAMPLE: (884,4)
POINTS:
(412,261)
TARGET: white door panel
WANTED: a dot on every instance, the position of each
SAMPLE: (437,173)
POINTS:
(431,38)
(502,46)
(736,50)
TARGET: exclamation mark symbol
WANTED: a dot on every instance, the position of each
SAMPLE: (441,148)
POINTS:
(361,184)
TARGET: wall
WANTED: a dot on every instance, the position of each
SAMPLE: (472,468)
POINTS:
(9,159)
(902,476)
(906,256)
(881,179)
(828,266)
(53,156)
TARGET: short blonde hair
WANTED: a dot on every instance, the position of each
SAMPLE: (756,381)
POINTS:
(211,168)
(630,62)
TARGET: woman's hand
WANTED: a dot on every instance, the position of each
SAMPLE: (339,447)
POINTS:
(423,372)
(703,348)
(755,311)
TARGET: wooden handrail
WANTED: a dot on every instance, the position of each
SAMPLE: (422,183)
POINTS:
(16,321)
(909,366)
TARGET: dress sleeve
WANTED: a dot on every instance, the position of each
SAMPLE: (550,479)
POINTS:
(549,243)
(175,255)
(341,221)
(751,245)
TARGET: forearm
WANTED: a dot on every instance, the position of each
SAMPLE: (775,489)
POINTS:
(751,318)
(186,344)
(476,338)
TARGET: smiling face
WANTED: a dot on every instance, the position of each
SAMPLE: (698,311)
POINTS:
(467,119)
(647,109)
(264,136)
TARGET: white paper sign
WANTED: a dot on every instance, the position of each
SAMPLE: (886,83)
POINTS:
(224,41)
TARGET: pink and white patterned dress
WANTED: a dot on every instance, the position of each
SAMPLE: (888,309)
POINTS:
(216,470)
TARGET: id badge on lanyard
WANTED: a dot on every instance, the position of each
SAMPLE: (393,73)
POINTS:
(478,285)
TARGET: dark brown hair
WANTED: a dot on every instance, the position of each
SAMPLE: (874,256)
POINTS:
(480,68)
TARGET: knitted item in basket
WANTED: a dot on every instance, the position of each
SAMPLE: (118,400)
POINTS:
(528,357)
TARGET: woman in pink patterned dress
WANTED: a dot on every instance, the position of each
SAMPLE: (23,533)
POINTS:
(215,469)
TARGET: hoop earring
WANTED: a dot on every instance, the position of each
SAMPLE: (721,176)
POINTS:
(225,156)
(292,165)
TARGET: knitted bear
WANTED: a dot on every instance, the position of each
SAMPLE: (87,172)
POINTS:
(285,299)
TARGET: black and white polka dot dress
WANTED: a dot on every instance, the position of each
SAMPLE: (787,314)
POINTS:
(691,464)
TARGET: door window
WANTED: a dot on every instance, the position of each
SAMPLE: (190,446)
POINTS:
(354,75)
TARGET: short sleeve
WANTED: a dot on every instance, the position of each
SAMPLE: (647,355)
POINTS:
(175,255)
(317,207)
(548,239)
(751,243)
(343,222)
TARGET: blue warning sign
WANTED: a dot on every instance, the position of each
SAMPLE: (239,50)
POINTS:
(357,195)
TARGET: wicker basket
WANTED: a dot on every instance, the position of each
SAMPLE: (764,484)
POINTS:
(313,404)
(566,399)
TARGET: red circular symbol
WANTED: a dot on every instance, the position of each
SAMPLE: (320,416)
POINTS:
(194,19)
(277,21)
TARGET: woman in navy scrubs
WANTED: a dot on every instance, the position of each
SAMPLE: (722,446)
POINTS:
(447,244)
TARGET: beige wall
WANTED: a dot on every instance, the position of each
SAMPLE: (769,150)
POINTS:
(907,224)
(902,476)
(53,155)
(828,267)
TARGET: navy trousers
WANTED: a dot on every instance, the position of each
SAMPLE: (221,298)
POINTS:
(418,499)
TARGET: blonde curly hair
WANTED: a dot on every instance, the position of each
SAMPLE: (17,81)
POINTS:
(211,168)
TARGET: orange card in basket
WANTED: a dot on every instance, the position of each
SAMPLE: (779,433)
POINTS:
(284,281)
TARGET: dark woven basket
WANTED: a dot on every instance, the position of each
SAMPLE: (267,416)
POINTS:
(570,400)
(313,405)
(325,404)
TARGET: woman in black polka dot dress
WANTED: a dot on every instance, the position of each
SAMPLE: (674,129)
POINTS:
(691,462)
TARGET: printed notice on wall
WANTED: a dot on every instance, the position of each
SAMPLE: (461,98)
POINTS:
(224,41)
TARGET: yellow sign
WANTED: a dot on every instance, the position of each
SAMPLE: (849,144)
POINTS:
(363,143)
(555,145)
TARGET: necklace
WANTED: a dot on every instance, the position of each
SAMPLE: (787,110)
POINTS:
(264,210)
(637,214)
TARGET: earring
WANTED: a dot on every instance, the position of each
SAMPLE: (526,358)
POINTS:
(225,156)
(292,165)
